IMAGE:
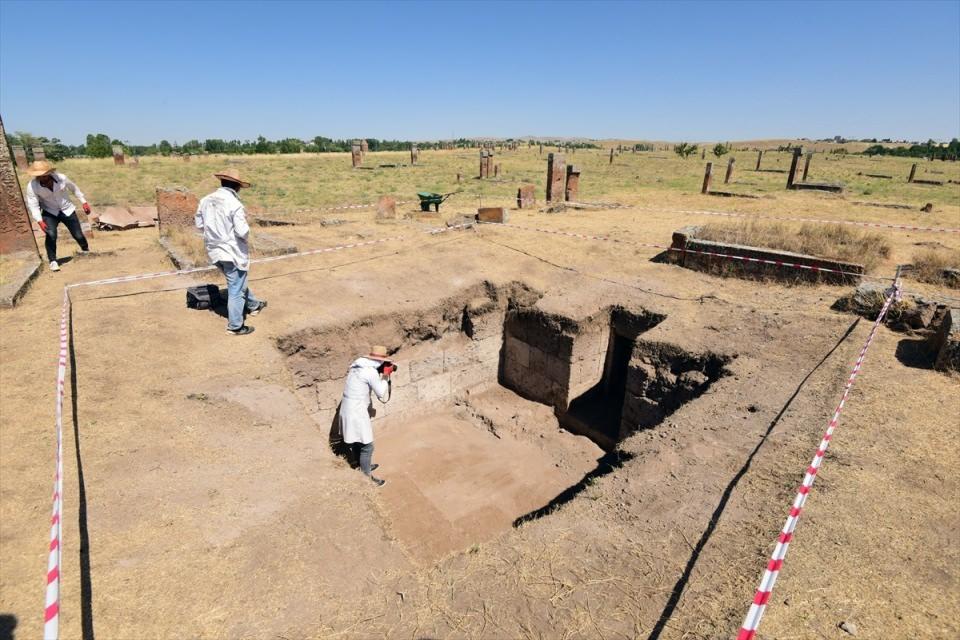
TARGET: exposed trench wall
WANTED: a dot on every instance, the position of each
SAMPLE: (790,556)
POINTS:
(442,351)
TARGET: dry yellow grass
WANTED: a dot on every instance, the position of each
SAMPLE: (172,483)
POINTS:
(929,265)
(822,240)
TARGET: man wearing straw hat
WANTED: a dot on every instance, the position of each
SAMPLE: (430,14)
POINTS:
(49,206)
(225,231)
(367,373)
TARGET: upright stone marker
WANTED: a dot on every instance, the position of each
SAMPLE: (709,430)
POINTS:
(707,175)
(118,154)
(414,155)
(541,148)
(572,191)
(39,154)
(16,234)
(525,196)
(496,170)
(364,146)
(806,165)
(759,158)
(555,177)
(483,163)
(356,155)
(20,156)
(913,172)
(793,167)
(726,178)
(386,208)
(611,155)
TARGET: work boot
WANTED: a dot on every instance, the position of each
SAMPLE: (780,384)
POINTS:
(54,266)
(377,481)
(260,307)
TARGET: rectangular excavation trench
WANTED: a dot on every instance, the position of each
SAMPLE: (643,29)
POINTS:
(500,412)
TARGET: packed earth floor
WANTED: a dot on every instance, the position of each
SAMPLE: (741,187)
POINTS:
(582,443)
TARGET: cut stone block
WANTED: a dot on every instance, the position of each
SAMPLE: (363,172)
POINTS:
(948,342)
(492,214)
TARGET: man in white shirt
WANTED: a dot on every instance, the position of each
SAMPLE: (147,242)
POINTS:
(49,206)
(225,231)
(367,373)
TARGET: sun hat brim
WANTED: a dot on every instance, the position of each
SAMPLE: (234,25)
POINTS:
(224,176)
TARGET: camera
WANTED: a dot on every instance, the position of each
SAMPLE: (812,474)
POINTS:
(387,367)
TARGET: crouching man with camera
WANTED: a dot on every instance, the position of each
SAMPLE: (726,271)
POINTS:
(367,373)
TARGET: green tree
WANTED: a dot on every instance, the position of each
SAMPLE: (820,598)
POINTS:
(685,150)
(721,149)
(290,145)
(191,147)
(98,146)
(264,146)
(165,148)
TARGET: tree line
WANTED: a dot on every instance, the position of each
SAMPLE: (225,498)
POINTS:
(929,149)
(100,145)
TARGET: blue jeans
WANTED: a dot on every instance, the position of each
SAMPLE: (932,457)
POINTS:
(239,296)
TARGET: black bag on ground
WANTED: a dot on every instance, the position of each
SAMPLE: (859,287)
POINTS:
(203,297)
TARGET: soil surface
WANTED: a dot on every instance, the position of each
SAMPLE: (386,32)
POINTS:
(203,500)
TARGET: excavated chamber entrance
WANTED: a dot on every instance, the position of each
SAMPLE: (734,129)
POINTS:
(499,411)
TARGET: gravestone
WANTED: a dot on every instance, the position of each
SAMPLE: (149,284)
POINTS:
(20,156)
(611,155)
(913,172)
(492,214)
(364,146)
(707,176)
(759,158)
(525,196)
(414,155)
(726,178)
(176,207)
(791,176)
(806,165)
(39,154)
(496,170)
(572,191)
(386,208)
(16,234)
(356,155)
(118,154)
(555,177)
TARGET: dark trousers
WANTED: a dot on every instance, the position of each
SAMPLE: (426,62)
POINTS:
(363,454)
(72,222)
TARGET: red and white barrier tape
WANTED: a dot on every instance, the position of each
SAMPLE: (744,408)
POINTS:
(712,254)
(732,214)
(343,207)
(51,616)
(749,628)
(299,254)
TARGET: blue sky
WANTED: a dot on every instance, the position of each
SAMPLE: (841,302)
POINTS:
(142,71)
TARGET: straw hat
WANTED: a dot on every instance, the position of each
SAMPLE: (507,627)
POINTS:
(40,168)
(233,176)
(378,352)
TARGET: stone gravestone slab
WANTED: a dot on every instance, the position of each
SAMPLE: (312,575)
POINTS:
(555,177)
(525,197)
(118,154)
(38,154)
(572,191)
(356,156)
(16,234)
(20,156)
(414,155)
(176,207)
(386,208)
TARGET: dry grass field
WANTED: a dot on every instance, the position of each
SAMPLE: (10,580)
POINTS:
(204,497)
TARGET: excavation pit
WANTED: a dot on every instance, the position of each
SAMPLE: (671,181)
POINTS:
(499,412)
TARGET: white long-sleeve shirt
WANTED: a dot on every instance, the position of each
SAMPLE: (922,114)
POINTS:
(225,230)
(362,378)
(52,200)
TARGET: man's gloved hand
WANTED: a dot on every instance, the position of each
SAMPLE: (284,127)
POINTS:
(86,208)
(387,370)
(42,225)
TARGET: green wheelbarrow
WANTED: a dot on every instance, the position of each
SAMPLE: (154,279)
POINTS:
(428,198)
